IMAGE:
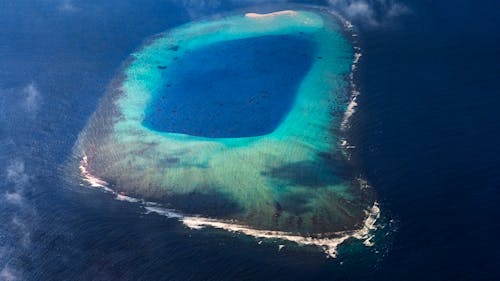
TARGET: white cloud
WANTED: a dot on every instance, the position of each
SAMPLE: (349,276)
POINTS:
(15,198)
(67,6)
(360,9)
(397,10)
(9,274)
(23,229)
(32,98)
(197,8)
(24,214)
(16,174)
(370,12)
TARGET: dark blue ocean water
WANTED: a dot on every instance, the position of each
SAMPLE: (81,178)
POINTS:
(427,132)
(230,89)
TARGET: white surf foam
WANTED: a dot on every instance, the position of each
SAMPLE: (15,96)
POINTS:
(327,244)
(164,212)
(122,197)
(351,107)
(89,178)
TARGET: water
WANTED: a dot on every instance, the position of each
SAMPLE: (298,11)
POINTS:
(278,181)
(426,135)
(223,83)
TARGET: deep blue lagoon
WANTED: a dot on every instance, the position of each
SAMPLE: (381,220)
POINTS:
(231,89)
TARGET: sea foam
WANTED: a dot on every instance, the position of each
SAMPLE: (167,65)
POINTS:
(329,243)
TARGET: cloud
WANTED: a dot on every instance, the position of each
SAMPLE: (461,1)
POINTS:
(16,174)
(360,9)
(397,10)
(370,12)
(23,229)
(15,198)
(17,106)
(24,214)
(197,8)
(67,6)
(32,98)
(9,274)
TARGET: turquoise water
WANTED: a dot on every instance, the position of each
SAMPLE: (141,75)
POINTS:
(236,88)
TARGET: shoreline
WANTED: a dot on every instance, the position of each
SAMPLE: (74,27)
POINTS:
(328,245)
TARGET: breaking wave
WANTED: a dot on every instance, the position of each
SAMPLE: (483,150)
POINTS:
(327,242)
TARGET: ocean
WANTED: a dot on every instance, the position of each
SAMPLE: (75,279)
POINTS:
(424,135)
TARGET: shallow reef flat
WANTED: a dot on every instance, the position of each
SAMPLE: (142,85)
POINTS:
(267,157)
